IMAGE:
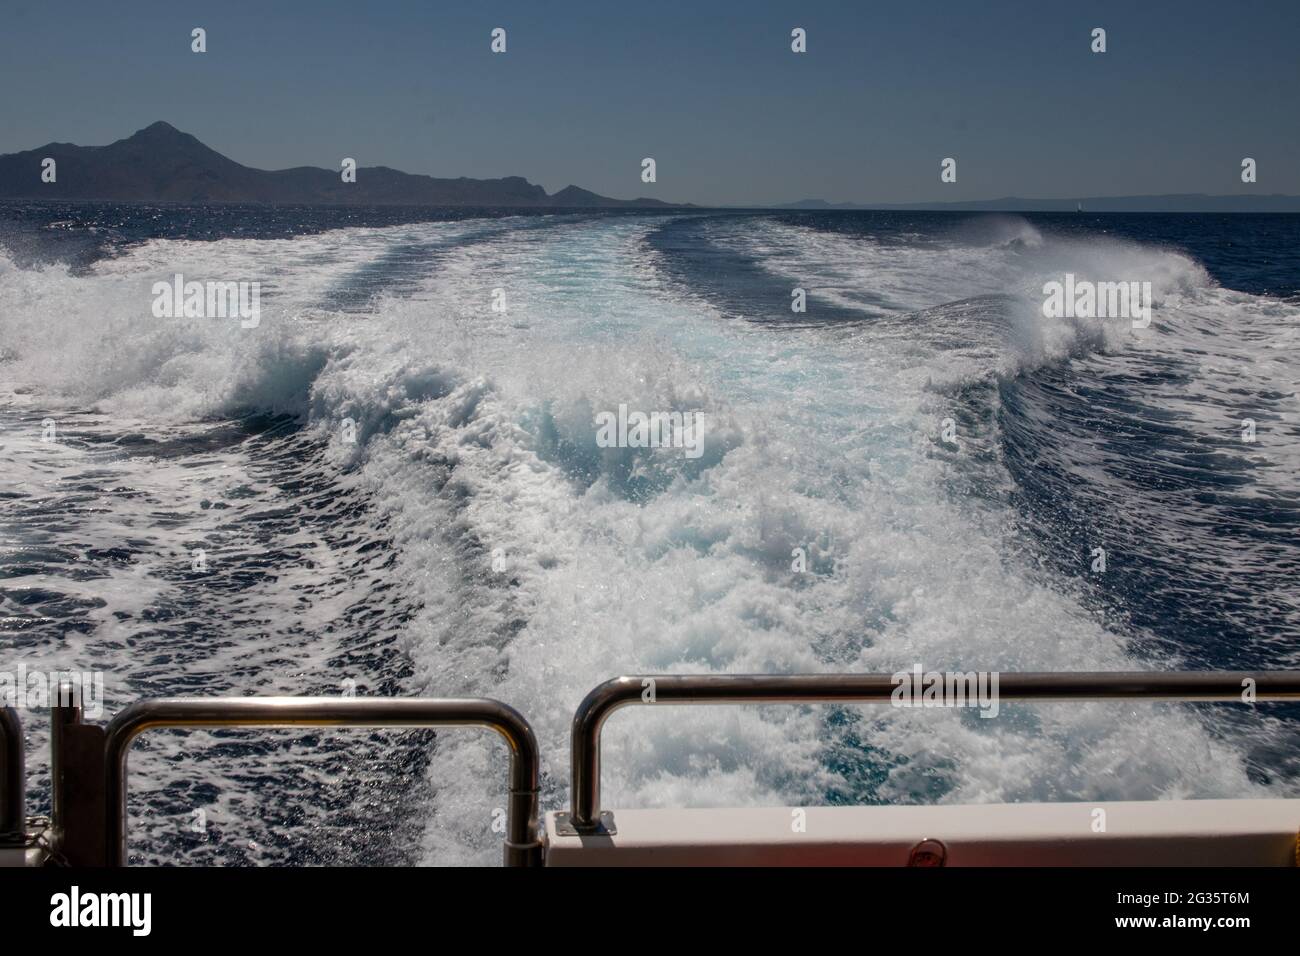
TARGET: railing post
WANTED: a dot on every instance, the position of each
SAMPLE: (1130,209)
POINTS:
(584,754)
(77,799)
(13,816)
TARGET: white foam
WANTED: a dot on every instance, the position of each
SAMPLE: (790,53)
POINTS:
(476,439)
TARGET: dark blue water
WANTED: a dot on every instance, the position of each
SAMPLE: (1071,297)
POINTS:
(80,233)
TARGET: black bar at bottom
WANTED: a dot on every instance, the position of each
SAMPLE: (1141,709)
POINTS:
(904,908)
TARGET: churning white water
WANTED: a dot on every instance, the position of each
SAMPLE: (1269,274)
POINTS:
(507,555)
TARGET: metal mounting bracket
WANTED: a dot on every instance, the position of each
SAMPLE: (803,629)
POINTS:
(605,827)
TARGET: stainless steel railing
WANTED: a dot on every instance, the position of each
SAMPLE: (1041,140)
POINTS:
(90,763)
(523,845)
(585,815)
(12,783)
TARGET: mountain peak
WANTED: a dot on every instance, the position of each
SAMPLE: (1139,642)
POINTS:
(159,128)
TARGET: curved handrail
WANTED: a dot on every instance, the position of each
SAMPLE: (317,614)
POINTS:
(523,845)
(608,697)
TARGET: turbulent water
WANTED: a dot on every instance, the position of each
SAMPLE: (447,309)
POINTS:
(398,488)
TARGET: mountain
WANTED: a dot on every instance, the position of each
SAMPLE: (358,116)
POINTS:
(574,197)
(162,164)
(1172,202)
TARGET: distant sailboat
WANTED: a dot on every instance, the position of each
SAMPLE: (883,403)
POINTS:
(1079,207)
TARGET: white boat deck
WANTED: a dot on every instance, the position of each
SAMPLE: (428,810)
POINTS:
(1147,833)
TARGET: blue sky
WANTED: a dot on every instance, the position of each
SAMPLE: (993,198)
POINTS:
(710,90)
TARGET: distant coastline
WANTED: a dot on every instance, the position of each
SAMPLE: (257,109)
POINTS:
(162,164)
(1173,202)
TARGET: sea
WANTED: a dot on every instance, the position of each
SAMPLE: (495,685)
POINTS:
(391,485)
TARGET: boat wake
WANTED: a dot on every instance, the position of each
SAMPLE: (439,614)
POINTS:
(397,485)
